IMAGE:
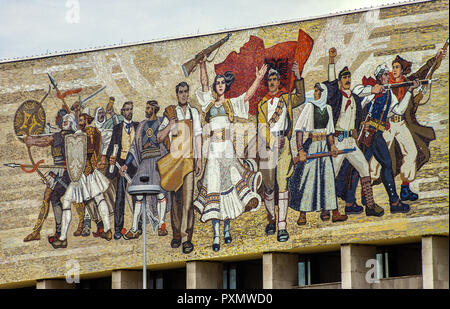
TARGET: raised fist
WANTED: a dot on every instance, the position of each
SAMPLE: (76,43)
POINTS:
(332,52)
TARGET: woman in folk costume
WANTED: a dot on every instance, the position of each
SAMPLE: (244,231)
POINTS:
(228,187)
(311,185)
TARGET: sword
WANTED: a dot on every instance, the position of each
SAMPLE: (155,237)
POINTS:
(323,154)
(58,179)
(54,84)
(125,174)
(83,101)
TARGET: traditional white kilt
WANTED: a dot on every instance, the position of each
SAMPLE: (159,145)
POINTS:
(87,187)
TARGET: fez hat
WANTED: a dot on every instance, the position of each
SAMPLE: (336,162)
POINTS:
(344,72)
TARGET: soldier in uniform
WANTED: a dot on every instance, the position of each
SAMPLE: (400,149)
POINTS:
(275,123)
(91,185)
(408,141)
(58,178)
(347,115)
(381,104)
(145,151)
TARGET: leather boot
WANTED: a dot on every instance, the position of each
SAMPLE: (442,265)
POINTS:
(325,215)
(80,211)
(301,218)
(372,209)
(106,235)
(407,195)
(43,213)
(162,231)
(269,203)
(336,217)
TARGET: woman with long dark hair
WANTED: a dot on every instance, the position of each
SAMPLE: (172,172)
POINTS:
(228,187)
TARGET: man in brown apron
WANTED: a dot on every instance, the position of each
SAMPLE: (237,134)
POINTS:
(181,130)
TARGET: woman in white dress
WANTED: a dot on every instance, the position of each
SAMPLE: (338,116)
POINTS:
(228,187)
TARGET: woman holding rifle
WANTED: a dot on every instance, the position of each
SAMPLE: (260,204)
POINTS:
(311,185)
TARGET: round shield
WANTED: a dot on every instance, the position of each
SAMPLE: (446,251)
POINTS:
(29,118)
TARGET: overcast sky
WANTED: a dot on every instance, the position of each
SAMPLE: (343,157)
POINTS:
(35,27)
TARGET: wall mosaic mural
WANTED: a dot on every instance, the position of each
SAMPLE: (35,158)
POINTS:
(301,135)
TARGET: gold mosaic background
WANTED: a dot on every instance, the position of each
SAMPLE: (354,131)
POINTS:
(151,71)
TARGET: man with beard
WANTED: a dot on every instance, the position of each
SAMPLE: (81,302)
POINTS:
(58,179)
(183,122)
(91,185)
(275,124)
(145,151)
(122,137)
(347,115)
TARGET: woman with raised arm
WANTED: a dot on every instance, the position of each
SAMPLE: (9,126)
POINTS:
(228,187)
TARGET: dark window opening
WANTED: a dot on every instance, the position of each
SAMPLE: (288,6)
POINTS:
(243,275)
(96,283)
(319,268)
(399,260)
(167,279)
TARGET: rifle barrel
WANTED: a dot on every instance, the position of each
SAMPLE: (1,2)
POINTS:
(409,83)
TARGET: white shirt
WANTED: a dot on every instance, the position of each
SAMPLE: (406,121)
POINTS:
(196,123)
(396,107)
(346,120)
(281,124)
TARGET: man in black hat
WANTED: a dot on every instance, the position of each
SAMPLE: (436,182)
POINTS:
(347,115)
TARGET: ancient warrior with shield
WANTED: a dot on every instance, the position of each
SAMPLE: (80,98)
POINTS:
(57,177)
(87,182)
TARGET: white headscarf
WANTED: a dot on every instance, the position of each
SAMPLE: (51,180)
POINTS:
(97,123)
(322,101)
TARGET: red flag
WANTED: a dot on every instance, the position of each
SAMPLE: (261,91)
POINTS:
(68,92)
(253,54)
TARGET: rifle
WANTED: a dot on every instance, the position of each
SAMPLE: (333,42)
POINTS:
(190,65)
(323,154)
(410,83)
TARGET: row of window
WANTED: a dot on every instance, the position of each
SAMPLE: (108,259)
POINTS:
(392,261)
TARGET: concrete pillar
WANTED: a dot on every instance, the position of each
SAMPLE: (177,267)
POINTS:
(435,262)
(204,275)
(54,284)
(280,270)
(353,265)
(126,279)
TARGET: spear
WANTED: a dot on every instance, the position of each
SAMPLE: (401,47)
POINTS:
(22,166)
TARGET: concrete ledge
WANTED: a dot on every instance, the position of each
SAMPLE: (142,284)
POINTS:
(331,285)
(404,282)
